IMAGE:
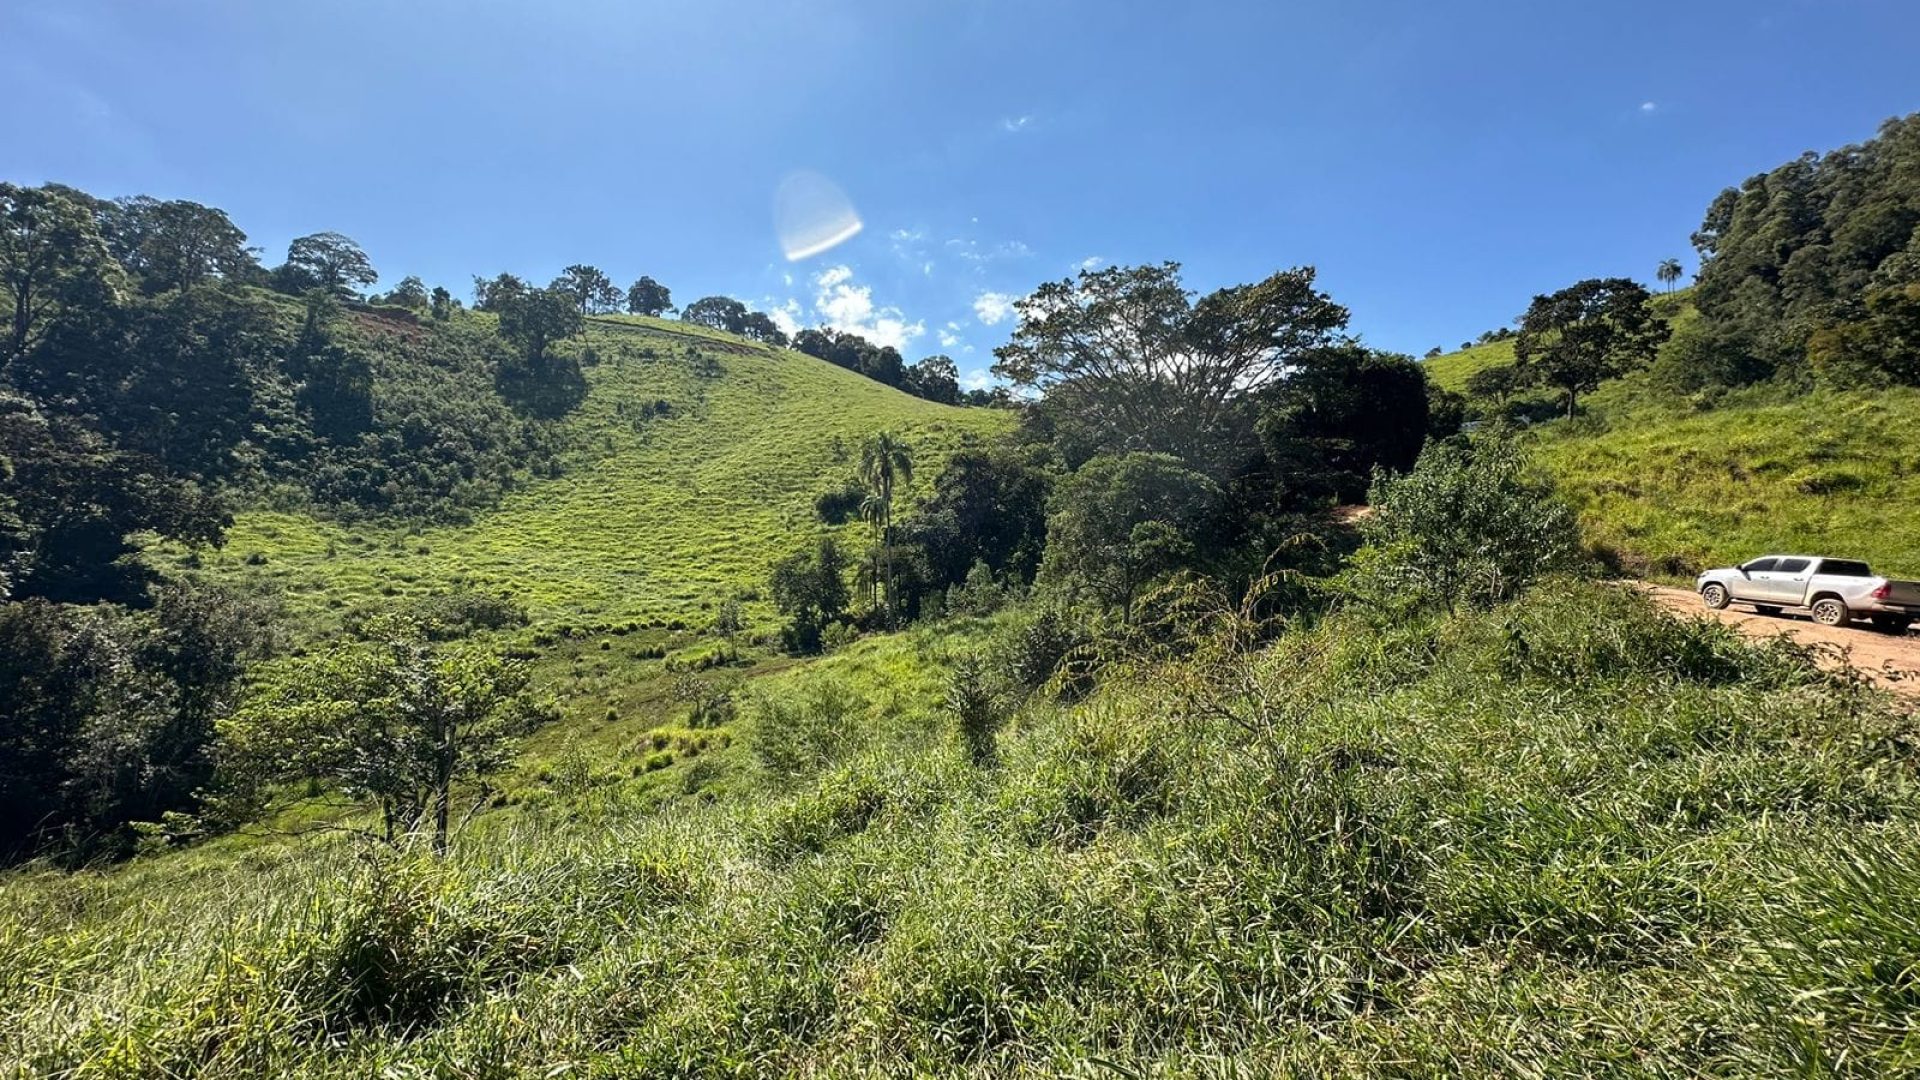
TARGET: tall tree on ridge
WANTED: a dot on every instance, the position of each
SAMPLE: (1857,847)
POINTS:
(884,463)
(331,261)
(649,297)
(1670,272)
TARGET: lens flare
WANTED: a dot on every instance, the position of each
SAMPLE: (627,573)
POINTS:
(811,215)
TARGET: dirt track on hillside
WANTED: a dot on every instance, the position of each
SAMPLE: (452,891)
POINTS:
(1892,661)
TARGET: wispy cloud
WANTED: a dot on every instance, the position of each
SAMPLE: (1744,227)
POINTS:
(1013,125)
(949,335)
(1091,262)
(844,304)
(1649,106)
(993,308)
(979,254)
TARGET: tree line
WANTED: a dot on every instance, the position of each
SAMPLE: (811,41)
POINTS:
(1161,433)
(1809,276)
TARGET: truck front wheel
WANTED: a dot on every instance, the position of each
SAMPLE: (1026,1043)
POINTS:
(1831,611)
(1715,595)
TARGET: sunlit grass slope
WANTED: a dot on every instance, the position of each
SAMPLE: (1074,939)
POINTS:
(1450,371)
(694,464)
(1570,837)
(1675,491)
(1672,484)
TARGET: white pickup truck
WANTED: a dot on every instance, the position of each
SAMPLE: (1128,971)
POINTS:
(1834,591)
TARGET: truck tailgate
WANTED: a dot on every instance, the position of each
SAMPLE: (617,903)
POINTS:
(1902,593)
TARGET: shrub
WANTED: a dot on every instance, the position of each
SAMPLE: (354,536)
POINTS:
(1037,649)
(837,506)
(975,704)
(803,732)
(1472,525)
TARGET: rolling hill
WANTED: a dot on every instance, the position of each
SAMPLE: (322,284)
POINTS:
(694,461)
(1669,484)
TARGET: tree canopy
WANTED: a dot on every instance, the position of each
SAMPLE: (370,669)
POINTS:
(1141,365)
(330,261)
(1587,333)
(648,297)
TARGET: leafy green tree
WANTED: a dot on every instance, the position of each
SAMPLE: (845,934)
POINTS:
(539,318)
(52,261)
(1670,271)
(648,297)
(716,312)
(936,378)
(77,502)
(441,304)
(497,293)
(107,717)
(886,464)
(175,244)
(1880,348)
(1129,357)
(1496,383)
(1470,525)
(1797,249)
(810,588)
(1343,412)
(332,262)
(410,293)
(759,326)
(393,720)
(590,289)
(988,506)
(194,362)
(1577,338)
(1121,521)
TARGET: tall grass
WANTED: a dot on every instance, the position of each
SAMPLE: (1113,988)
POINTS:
(1568,836)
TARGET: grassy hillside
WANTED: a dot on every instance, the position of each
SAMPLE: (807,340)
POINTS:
(1675,491)
(1670,486)
(694,462)
(1450,371)
(1572,836)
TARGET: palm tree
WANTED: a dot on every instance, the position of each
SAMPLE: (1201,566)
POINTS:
(884,463)
(1669,272)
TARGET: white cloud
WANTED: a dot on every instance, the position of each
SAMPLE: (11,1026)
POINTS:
(949,335)
(977,379)
(993,308)
(1016,124)
(840,303)
(1649,106)
(1091,262)
(786,316)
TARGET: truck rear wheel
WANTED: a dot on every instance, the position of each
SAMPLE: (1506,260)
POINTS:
(1715,595)
(1766,609)
(1892,624)
(1831,611)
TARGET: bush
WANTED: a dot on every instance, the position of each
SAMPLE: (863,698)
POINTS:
(1036,651)
(801,733)
(975,704)
(839,505)
(1471,525)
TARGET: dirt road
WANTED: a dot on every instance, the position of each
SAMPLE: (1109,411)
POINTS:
(1893,662)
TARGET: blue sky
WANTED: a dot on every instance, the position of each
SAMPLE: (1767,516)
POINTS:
(1439,163)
